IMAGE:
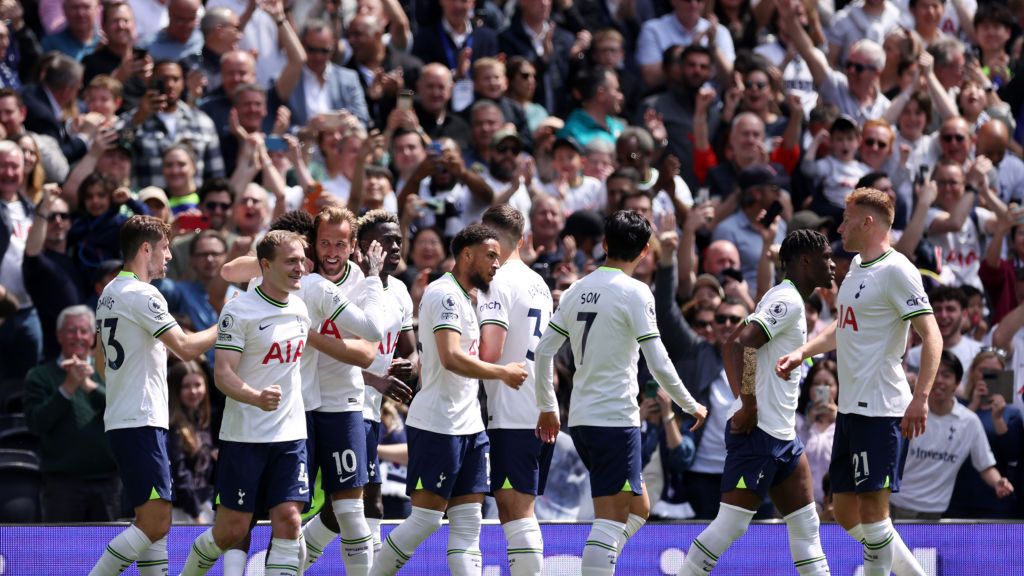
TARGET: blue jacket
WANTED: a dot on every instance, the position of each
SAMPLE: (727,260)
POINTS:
(344,91)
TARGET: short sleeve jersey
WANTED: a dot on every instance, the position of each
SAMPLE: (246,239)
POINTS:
(935,458)
(519,301)
(780,313)
(324,301)
(605,316)
(341,385)
(396,317)
(131,315)
(271,337)
(446,403)
(876,301)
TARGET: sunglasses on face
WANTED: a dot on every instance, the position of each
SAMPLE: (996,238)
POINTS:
(755,85)
(872,143)
(503,149)
(727,318)
(211,206)
(947,138)
(54,216)
(859,68)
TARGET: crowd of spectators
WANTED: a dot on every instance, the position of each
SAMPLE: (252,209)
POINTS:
(726,123)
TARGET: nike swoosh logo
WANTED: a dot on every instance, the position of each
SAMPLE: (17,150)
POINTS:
(859,482)
(303,490)
(344,479)
(262,327)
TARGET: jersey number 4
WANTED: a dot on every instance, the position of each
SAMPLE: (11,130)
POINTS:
(115,361)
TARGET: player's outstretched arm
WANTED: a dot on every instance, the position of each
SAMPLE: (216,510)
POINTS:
(358,320)
(822,343)
(226,378)
(916,416)
(351,351)
(547,402)
(455,360)
(189,346)
(240,270)
(663,371)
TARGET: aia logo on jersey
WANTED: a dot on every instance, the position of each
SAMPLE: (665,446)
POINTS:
(847,319)
(285,353)
(387,348)
(330,329)
(472,349)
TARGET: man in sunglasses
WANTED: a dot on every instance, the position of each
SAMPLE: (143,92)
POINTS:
(215,202)
(857,92)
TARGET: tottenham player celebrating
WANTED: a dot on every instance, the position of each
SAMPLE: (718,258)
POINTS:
(396,354)
(338,422)
(514,313)
(262,462)
(769,458)
(596,314)
(448,447)
(879,295)
(134,327)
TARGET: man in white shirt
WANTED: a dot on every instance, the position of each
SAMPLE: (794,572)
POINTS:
(448,446)
(949,304)
(260,342)
(879,295)
(954,432)
(514,313)
(608,317)
(764,453)
(134,330)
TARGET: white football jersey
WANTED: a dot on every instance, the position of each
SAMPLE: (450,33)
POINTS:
(876,301)
(341,385)
(605,316)
(130,317)
(519,301)
(446,403)
(395,317)
(271,336)
(935,458)
(780,313)
(324,301)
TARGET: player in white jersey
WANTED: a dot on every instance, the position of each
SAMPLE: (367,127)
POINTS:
(261,338)
(329,309)
(394,365)
(765,456)
(608,318)
(879,295)
(134,330)
(514,313)
(448,447)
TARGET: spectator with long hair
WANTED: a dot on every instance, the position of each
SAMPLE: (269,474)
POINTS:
(190,443)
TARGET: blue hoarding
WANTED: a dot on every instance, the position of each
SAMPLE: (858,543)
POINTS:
(657,550)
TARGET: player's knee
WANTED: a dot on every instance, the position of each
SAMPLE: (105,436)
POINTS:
(227,535)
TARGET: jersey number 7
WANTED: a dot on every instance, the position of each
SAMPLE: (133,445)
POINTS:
(588,319)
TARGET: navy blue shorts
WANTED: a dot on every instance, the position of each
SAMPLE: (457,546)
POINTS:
(256,477)
(868,454)
(612,456)
(372,440)
(448,465)
(141,455)
(758,461)
(519,460)
(340,450)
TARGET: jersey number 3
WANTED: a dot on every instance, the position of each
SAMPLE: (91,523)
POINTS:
(114,362)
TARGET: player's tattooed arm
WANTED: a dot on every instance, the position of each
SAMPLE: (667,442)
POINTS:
(748,381)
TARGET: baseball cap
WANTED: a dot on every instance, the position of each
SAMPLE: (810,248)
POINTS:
(566,141)
(808,220)
(845,122)
(504,134)
(153,193)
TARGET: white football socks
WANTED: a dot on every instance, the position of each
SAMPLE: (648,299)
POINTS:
(730,524)
(633,524)
(202,556)
(234,562)
(464,556)
(525,547)
(356,540)
(153,562)
(805,543)
(283,557)
(374,524)
(402,541)
(121,552)
(318,537)
(878,548)
(602,548)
